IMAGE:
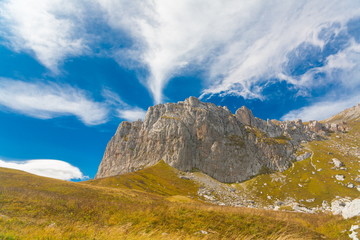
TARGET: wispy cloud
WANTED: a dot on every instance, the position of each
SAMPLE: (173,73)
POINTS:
(46,168)
(122,109)
(51,30)
(132,114)
(50,100)
(321,110)
(46,100)
(236,45)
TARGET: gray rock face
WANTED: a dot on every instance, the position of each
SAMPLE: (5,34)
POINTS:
(195,135)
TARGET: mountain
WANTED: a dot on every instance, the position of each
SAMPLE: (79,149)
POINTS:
(193,135)
(351,115)
(317,197)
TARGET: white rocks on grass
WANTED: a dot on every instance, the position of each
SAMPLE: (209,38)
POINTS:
(300,208)
(352,209)
(353,232)
(303,156)
(340,177)
(337,163)
(209,197)
(346,207)
(350,185)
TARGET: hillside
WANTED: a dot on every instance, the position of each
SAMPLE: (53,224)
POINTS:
(35,207)
(326,177)
(163,202)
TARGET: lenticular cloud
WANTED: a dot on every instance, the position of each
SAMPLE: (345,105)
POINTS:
(46,168)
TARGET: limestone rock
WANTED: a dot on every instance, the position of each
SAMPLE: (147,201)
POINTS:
(340,177)
(195,135)
(245,116)
(315,126)
(303,156)
(337,163)
(353,232)
(351,209)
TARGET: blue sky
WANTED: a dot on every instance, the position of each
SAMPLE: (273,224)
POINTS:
(71,71)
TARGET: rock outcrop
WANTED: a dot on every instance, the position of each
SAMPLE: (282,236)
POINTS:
(193,135)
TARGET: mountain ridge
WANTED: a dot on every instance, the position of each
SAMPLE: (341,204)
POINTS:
(192,135)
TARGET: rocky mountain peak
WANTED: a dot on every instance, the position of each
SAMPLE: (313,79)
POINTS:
(192,135)
(350,114)
(245,115)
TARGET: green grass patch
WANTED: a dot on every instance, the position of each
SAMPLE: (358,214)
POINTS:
(312,177)
(160,179)
(169,117)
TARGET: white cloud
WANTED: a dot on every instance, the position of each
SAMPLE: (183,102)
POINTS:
(132,114)
(237,44)
(122,109)
(49,29)
(321,110)
(46,168)
(50,100)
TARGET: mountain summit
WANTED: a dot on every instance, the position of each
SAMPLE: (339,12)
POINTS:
(194,135)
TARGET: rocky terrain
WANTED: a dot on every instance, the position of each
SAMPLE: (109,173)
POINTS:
(316,197)
(325,179)
(193,135)
(243,161)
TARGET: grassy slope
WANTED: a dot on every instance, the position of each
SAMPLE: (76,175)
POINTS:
(160,179)
(303,181)
(35,207)
(154,203)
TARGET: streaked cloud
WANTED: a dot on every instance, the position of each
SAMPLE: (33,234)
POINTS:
(122,109)
(46,100)
(238,45)
(132,114)
(46,168)
(321,110)
(50,100)
(50,30)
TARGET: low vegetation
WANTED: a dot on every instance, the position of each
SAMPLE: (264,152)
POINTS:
(313,177)
(311,182)
(169,117)
(160,179)
(155,203)
(35,207)
(263,137)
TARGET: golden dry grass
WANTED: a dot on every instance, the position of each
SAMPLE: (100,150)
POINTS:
(35,207)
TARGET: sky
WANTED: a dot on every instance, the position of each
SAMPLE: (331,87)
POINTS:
(71,71)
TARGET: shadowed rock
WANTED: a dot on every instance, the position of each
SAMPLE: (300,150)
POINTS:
(195,135)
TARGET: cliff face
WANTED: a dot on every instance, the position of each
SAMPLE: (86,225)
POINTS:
(192,135)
